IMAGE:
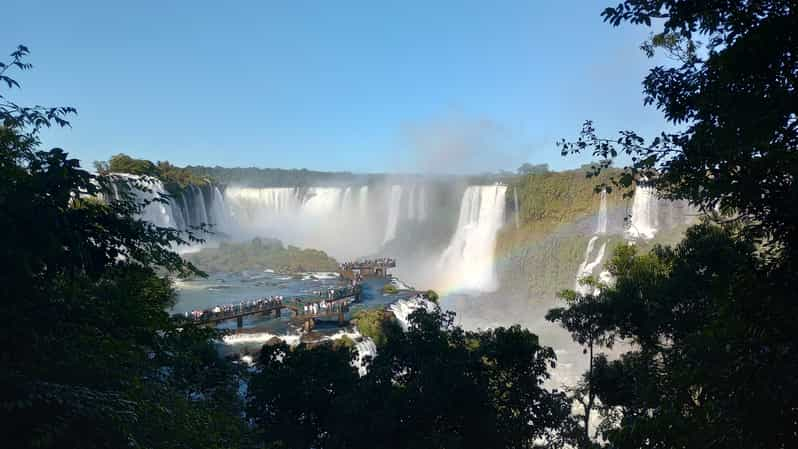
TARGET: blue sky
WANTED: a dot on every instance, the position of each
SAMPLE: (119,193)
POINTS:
(367,86)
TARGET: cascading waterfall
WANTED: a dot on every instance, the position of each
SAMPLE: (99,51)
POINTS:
(363,201)
(147,190)
(365,348)
(323,201)
(411,203)
(422,204)
(393,213)
(199,205)
(586,268)
(351,221)
(402,309)
(468,260)
(643,222)
(219,215)
(601,221)
(346,202)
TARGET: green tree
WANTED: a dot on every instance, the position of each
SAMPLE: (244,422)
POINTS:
(432,386)
(90,357)
(710,317)
(733,98)
(586,319)
(529,169)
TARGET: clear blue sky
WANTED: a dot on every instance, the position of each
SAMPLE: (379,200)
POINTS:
(460,86)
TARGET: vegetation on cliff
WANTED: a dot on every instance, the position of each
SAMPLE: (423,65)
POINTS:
(274,177)
(174,178)
(542,254)
(372,324)
(261,254)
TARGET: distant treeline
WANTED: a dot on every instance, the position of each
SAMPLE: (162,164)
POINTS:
(275,177)
(180,177)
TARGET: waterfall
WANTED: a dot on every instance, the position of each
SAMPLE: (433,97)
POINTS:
(468,260)
(581,271)
(393,213)
(365,348)
(411,203)
(402,309)
(250,204)
(422,204)
(601,220)
(346,202)
(363,201)
(586,268)
(517,209)
(147,189)
(643,222)
(198,202)
(323,201)
(343,221)
(219,215)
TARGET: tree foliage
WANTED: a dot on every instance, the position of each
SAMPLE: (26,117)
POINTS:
(433,386)
(261,253)
(734,100)
(175,179)
(90,357)
(710,318)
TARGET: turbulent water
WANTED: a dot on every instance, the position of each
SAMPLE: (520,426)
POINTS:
(443,238)
(351,221)
(644,221)
(587,267)
(468,260)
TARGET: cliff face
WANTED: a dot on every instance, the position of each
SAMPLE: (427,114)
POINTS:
(559,233)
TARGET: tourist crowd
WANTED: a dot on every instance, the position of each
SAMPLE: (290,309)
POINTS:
(308,305)
(378,262)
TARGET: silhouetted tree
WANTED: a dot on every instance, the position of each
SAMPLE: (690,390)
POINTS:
(432,386)
(586,318)
(710,319)
(90,357)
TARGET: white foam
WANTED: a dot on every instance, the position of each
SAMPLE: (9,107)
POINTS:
(643,222)
(261,337)
(468,261)
(402,309)
(365,348)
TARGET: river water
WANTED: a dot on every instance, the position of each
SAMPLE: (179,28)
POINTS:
(233,288)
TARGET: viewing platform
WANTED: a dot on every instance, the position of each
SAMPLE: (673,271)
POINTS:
(335,303)
(369,268)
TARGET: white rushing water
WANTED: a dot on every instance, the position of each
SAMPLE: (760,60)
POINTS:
(261,337)
(468,261)
(147,189)
(411,203)
(601,220)
(644,222)
(404,307)
(587,267)
(393,213)
(366,348)
(422,204)
(354,221)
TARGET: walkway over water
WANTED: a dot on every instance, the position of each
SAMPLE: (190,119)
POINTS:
(307,309)
(367,268)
